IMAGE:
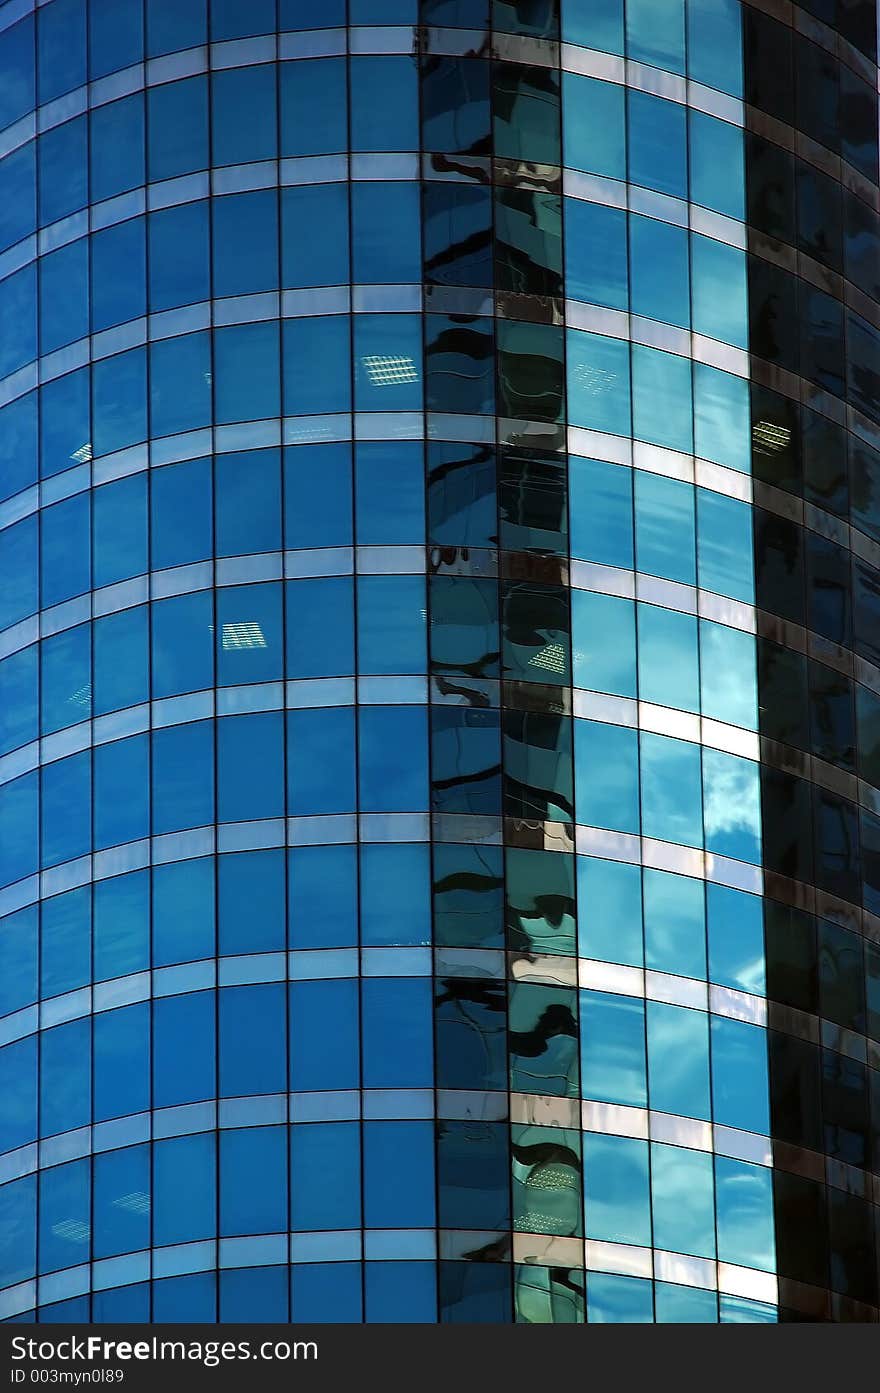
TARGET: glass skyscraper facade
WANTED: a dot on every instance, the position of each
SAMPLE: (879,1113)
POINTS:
(439,660)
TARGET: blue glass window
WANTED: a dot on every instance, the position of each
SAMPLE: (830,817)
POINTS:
(732,801)
(180,377)
(245,243)
(736,939)
(116,144)
(179,259)
(682,1192)
(307,260)
(384,102)
(119,393)
(386,232)
(391,624)
(63,163)
(183,644)
(660,281)
(315,348)
(247,1208)
(122,1201)
(18,195)
(618,1300)
(249,634)
(717,169)
(665,540)
(65,551)
(740,1089)
(662,405)
(392,765)
(18,85)
(178,128)
(324,1045)
(668,660)
(657,143)
(18,445)
(65,678)
(121,928)
(251,909)
(122,1063)
(617,1206)
(121,791)
(246,372)
(252,1029)
(613,1048)
(64,295)
(678,1060)
(601,512)
(116,38)
(183,777)
(250,767)
(180,514)
(721,417)
(398,1174)
(118,274)
(598,382)
(19,721)
(675,928)
(609,911)
(183,911)
(243,123)
(671,791)
(18,306)
(321,761)
(655,33)
(248,502)
(606,776)
(66,942)
(388,355)
(320,627)
(715,44)
(323,897)
(603,643)
(184,1188)
(170,27)
(724,545)
(595,254)
(119,530)
(325,1175)
(65,807)
(744,1199)
(61,49)
(593,126)
(314,107)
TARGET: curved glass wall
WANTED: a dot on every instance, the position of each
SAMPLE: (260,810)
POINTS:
(425,620)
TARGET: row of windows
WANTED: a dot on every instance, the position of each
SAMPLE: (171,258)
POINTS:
(49,180)
(712,547)
(793,202)
(83,1213)
(803,330)
(670,402)
(796,81)
(114,782)
(405,1292)
(683,794)
(684,280)
(118,662)
(70,46)
(187,911)
(375,1032)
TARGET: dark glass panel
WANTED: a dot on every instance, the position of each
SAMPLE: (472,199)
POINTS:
(791,949)
(786,809)
(795,1093)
